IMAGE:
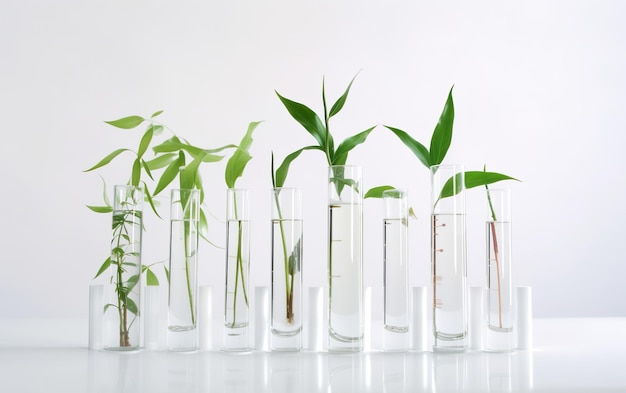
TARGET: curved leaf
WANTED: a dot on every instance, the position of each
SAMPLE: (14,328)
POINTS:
(377,192)
(155,114)
(472,179)
(126,123)
(338,105)
(136,173)
(161,161)
(442,135)
(145,141)
(100,209)
(107,159)
(307,118)
(103,267)
(341,155)
(283,169)
(169,174)
(417,148)
(240,158)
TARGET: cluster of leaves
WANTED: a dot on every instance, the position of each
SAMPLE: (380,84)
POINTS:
(174,157)
(320,131)
(440,141)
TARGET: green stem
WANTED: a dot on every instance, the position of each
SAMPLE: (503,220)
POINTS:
(496,252)
(238,264)
(187,275)
(288,286)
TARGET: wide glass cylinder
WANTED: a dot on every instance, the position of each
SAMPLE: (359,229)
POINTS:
(183,270)
(345,259)
(500,320)
(286,295)
(123,293)
(396,271)
(448,258)
(236,307)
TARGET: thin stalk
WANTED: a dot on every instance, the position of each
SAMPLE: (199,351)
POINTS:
(288,285)
(492,225)
(121,290)
(238,264)
(187,275)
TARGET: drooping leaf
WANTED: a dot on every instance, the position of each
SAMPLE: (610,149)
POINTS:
(472,179)
(442,135)
(338,105)
(107,159)
(136,174)
(420,151)
(150,200)
(145,142)
(103,267)
(240,158)
(169,174)
(341,155)
(307,118)
(146,168)
(377,192)
(283,170)
(100,209)
(161,161)
(155,114)
(126,123)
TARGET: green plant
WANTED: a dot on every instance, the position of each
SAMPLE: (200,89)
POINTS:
(321,132)
(292,260)
(234,170)
(177,158)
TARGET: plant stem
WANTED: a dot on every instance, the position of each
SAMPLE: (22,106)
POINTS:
(288,285)
(187,225)
(492,224)
(239,268)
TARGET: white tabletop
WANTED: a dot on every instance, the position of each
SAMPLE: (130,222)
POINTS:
(569,355)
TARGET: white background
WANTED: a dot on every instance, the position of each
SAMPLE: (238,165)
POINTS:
(540,93)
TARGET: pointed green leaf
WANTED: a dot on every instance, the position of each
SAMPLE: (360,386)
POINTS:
(240,158)
(442,135)
(126,123)
(283,169)
(136,174)
(107,159)
(161,161)
(131,305)
(155,114)
(145,166)
(103,267)
(151,278)
(307,118)
(100,209)
(341,101)
(149,199)
(341,155)
(472,179)
(377,192)
(145,142)
(168,175)
(417,148)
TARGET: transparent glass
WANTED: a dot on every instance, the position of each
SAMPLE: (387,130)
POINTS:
(236,308)
(448,258)
(396,272)
(123,294)
(183,270)
(499,333)
(286,296)
(345,259)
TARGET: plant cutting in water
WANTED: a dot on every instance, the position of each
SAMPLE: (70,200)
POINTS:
(234,170)
(170,154)
(291,261)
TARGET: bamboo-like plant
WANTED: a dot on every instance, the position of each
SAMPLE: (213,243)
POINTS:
(171,156)
(234,170)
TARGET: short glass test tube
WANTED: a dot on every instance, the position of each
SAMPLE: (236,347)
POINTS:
(182,318)
(286,296)
(499,332)
(396,272)
(448,258)
(236,307)
(345,259)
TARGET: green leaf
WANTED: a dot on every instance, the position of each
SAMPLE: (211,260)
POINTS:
(103,267)
(131,306)
(420,151)
(307,118)
(189,174)
(442,135)
(145,142)
(151,278)
(161,161)
(100,209)
(107,159)
(338,105)
(341,155)
(126,123)
(136,174)
(169,174)
(155,114)
(472,179)
(377,192)
(240,158)
(145,166)
(150,200)
(175,145)
(283,169)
